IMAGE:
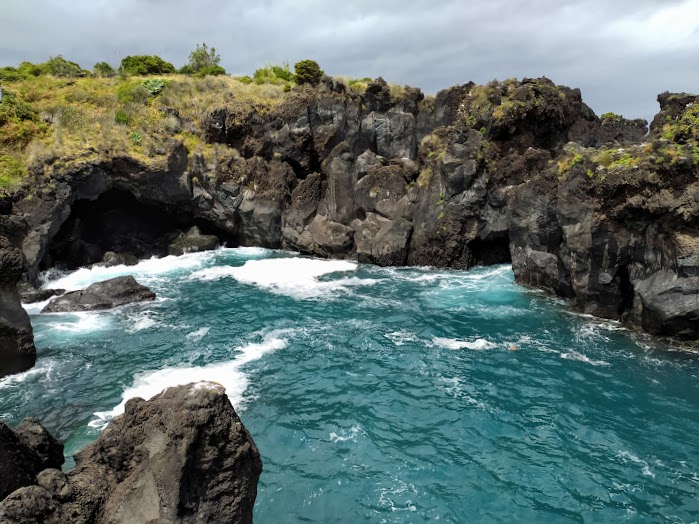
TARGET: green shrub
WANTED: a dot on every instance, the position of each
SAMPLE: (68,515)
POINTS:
(273,74)
(210,71)
(103,70)
(13,108)
(136,138)
(121,117)
(245,79)
(204,61)
(307,72)
(146,65)
(10,74)
(133,91)
(60,67)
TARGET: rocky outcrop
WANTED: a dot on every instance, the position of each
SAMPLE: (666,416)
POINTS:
(24,453)
(182,457)
(102,295)
(17,351)
(192,242)
(514,171)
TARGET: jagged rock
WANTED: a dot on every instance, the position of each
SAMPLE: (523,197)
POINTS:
(475,175)
(102,295)
(24,453)
(17,351)
(111,259)
(183,457)
(192,242)
(39,295)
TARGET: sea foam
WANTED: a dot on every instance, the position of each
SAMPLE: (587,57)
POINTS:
(297,277)
(228,374)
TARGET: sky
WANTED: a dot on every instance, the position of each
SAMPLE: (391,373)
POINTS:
(620,53)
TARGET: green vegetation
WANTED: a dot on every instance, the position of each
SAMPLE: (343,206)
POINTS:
(103,70)
(568,162)
(146,65)
(203,61)
(610,118)
(307,72)
(274,74)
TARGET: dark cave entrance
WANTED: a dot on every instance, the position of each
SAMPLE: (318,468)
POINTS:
(491,251)
(116,221)
(625,289)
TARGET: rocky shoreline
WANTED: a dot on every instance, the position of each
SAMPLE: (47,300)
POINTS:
(522,172)
(183,456)
(602,211)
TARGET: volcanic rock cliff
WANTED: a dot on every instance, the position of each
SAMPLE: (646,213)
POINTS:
(588,208)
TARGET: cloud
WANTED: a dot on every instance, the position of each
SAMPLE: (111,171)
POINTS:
(621,54)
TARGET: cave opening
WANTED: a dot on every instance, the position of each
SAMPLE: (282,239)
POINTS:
(116,221)
(625,289)
(491,251)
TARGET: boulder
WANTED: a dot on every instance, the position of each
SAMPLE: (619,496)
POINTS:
(192,242)
(39,295)
(111,259)
(182,457)
(102,295)
(17,351)
(24,453)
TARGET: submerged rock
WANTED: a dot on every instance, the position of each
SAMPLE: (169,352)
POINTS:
(182,457)
(192,242)
(102,295)
(17,351)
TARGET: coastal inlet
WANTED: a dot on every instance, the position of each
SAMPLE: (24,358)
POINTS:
(386,394)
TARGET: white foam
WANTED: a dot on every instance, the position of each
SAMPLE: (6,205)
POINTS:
(574,355)
(252,251)
(43,368)
(350,435)
(83,277)
(478,344)
(198,334)
(296,277)
(228,374)
(400,338)
(80,322)
(36,307)
(141,321)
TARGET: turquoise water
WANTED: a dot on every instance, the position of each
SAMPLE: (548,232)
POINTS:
(389,395)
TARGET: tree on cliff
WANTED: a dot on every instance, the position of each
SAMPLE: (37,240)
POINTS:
(203,61)
(307,72)
(146,65)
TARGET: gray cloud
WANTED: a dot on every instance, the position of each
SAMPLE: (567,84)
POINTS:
(621,54)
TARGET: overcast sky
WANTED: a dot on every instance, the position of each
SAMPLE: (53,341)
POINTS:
(621,53)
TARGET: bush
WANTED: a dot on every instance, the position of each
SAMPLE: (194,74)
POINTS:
(146,65)
(210,71)
(273,74)
(204,61)
(307,72)
(103,69)
(60,67)
(10,74)
(121,117)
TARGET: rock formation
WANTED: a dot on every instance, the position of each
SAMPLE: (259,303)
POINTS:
(17,351)
(518,171)
(182,457)
(110,293)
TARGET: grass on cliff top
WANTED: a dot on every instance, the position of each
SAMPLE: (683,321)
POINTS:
(44,119)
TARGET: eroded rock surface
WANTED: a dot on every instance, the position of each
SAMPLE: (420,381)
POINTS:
(182,457)
(17,351)
(111,293)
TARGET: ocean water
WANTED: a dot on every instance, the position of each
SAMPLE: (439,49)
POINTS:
(388,395)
